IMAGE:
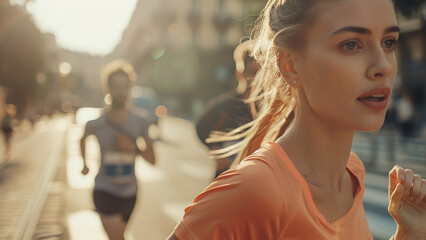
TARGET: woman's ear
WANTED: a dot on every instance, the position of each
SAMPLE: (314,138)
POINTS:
(286,64)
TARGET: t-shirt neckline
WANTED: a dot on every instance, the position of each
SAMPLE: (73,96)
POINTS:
(286,160)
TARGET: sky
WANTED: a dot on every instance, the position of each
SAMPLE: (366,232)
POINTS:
(92,26)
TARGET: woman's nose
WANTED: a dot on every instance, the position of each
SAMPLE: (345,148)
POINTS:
(382,64)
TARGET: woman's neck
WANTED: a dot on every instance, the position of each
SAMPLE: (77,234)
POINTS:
(319,150)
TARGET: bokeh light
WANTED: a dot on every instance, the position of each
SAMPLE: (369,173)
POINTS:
(41,78)
(161,111)
(108,99)
(158,52)
(65,69)
(66,106)
(136,91)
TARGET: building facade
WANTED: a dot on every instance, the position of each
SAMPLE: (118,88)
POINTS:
(183,49)
(412,56)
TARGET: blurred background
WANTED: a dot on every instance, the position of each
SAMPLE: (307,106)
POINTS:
(51,55)
(182,50)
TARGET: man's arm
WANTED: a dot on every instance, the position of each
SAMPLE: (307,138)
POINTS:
(172,237)
(85,169)
(148,153)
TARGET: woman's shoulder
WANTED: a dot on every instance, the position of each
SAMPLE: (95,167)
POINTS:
(248,192)
(258,178)
(253,175)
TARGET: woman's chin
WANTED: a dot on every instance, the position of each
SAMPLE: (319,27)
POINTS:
(371,127)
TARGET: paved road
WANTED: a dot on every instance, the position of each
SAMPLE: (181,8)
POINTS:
(183,171)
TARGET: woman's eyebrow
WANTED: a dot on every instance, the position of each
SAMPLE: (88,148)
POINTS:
(393,29)
(363,30)
(354,29)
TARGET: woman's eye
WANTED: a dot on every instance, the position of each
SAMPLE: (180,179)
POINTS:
(350,46)
(390,44)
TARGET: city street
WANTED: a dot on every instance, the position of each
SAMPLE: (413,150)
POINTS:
(219,65)
(183,169)
(59,206)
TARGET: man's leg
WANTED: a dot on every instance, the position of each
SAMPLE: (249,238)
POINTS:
(114,226)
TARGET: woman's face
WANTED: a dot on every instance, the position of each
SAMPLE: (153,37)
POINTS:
(347,68)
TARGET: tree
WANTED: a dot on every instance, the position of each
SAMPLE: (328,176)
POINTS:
(21,55)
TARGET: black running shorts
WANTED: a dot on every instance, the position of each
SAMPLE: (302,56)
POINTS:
(109,204)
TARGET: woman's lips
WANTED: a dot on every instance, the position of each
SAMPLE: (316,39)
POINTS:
(376,99)
(376,105)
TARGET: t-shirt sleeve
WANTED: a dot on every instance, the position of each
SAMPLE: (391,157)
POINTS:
(242,203)
(145,119)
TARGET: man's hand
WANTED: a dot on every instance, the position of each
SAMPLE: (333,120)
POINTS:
(85,170)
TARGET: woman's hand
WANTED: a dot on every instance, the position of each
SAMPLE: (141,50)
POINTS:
(407,203)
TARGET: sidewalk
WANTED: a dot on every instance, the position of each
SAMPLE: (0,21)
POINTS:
(18,143)
(26,178)
(182,171)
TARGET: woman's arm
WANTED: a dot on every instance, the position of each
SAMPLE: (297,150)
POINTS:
(407,203)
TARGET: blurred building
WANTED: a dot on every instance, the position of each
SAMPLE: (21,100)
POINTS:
(412,59)
(81,86)
(2,103)
(76,77)
(50,76)
(21,61)
(183,49)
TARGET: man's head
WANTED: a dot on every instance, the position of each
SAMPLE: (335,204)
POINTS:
(246,65)
(118,77)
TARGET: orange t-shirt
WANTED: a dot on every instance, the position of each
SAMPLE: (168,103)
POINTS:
(265,197)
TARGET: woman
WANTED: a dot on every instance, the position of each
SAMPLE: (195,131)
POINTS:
(331,63)
(117,129)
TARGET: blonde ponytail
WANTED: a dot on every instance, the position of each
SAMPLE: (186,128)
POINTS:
(280,25)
